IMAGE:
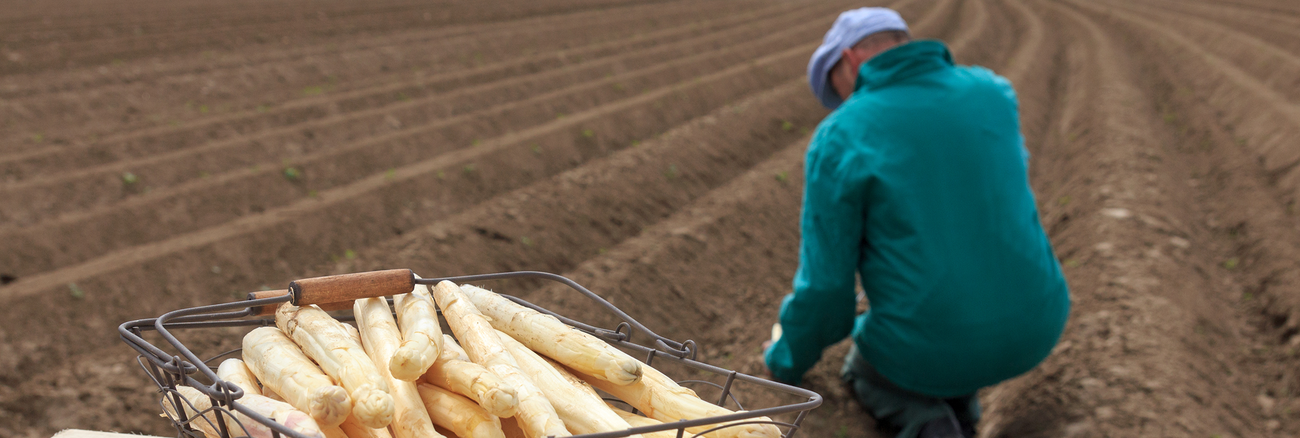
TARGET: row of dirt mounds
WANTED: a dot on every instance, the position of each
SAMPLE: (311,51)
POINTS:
(88,33)
(653,152)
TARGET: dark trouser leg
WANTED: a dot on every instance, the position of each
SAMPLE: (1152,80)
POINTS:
(968,411)
(900,408)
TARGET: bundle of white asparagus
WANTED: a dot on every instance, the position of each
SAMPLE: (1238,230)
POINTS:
(514,372)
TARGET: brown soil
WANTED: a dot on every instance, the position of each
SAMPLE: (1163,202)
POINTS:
(653,152)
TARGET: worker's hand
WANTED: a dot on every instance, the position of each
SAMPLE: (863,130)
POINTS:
(776,334)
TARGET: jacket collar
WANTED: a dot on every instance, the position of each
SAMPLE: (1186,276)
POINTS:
(901,63)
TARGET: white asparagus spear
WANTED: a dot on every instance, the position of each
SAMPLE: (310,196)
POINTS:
(234,371)
(474,381)
(272,395)
(190,412)
(279,412)
(354,429)
(353,333)
(449,344)
(380,336)
(660,398)
(458,414)
(329,343)
(581,409)
(639,421)
(421,334)
(334,432)
(547,335)
(329,431)
(536,415)
(284,369)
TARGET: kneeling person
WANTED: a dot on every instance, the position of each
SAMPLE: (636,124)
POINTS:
(918,184)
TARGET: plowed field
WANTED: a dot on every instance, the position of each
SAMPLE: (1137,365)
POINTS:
(159,155)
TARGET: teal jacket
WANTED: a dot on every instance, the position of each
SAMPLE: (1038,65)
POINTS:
(918,183)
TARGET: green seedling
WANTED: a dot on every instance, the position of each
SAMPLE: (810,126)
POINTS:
(782,177)
(526,241)
(314,90)
(129,178)
(537,150)
(786,125)
(588,133)
(1231,263)
(292,173)
(390,174)
(76,291)
(672,172)
(38,137)
(469,168)
(350,254)
(1071,263)
(1063,200)
(203,109)
(476,142)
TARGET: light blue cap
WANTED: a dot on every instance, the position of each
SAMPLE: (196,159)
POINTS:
(850,28)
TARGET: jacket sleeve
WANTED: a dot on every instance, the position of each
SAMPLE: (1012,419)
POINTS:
(820,311)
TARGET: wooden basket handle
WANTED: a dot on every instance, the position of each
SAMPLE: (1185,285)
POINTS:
(351,287)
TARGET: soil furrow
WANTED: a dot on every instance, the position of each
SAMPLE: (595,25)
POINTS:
(1268,7)
(1271,65)
(1240,98)
(144,106)
(404,101)
(90,52)
(1280,30)
(1026,53)
(140,221)
(85,80)
(970,28)
(408,178)
(1135,291)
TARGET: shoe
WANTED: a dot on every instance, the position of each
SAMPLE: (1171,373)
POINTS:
(946,427)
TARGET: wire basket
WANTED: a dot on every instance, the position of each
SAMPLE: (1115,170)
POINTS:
(180,366)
